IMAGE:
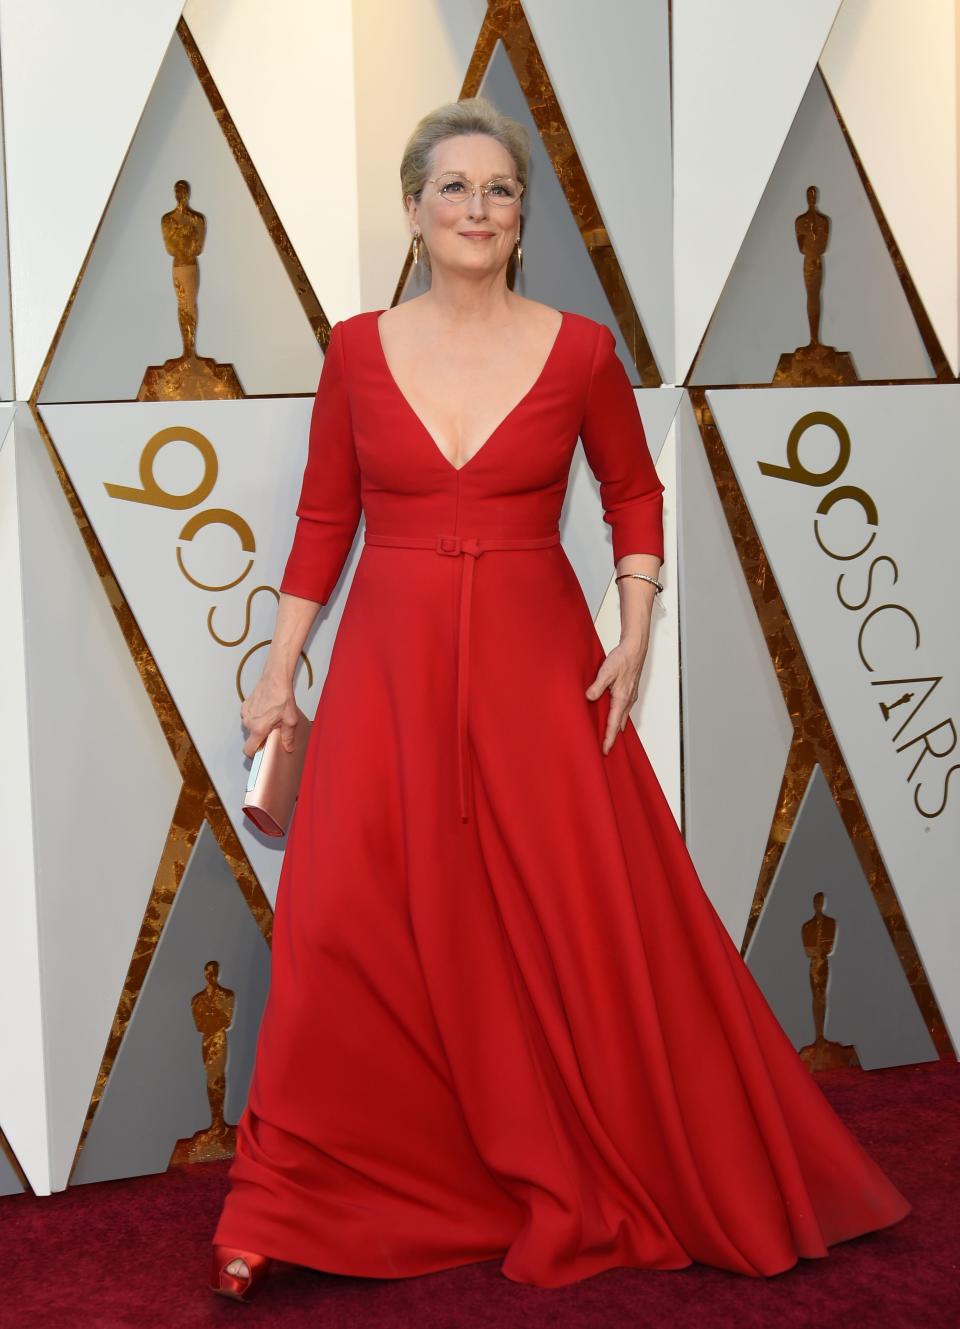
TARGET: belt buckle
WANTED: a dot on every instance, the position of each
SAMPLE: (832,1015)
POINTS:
(448,544)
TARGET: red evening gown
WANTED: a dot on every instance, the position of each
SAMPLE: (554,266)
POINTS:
(504,1019)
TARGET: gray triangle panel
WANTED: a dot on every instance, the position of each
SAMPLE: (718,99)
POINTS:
(870,1004)
(10,1183)
(762,312)
(124,316)
(156,1094)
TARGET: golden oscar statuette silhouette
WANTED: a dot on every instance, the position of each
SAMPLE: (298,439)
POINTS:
(189,377)
(819,938)
(212,1014)
(814,365)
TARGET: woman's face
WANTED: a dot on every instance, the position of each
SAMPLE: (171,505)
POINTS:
(474,237)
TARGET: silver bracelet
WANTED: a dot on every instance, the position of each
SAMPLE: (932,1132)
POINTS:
(643,577)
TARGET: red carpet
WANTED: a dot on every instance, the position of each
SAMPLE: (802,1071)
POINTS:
(134,1254)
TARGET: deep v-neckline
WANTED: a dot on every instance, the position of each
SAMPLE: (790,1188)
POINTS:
(497,428)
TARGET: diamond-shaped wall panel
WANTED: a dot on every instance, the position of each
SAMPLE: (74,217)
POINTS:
(852,491)
(201,579)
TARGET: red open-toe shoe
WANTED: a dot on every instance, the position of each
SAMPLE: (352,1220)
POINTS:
(238,1286)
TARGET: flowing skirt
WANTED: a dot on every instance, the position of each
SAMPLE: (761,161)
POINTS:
(526,1036)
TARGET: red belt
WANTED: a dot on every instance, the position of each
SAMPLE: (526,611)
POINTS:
(474,546)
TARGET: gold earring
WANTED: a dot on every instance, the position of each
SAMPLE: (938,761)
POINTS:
(519,253)
(416,246)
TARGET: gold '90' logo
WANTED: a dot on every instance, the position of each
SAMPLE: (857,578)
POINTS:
(934,738)
(152,493)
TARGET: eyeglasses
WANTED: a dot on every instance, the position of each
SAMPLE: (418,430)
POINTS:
(502,190)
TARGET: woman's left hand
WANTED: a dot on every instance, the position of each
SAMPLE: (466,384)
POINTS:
(620,672)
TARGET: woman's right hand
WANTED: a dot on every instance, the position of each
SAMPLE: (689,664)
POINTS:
(271,705)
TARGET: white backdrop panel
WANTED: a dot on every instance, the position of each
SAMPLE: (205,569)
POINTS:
(260,447)
(893,71)
(23,1089)
(873,478)
(71,101)
(104,789)
(409,58)
(736,729)
(739,71)
(286,74)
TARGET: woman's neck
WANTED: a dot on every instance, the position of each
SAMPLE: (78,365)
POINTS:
(454,299)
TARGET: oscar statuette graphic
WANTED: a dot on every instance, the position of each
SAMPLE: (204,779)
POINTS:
(188,377)
(819,939)
(814,365)
(213,1009)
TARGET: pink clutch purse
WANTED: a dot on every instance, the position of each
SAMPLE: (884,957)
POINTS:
(274,780)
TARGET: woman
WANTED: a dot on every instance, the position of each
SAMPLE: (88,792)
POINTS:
(504,1019)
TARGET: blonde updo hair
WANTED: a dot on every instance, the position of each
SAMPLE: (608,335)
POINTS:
(472,115)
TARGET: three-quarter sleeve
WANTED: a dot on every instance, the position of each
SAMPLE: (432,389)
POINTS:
(616,449)
(328,512)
